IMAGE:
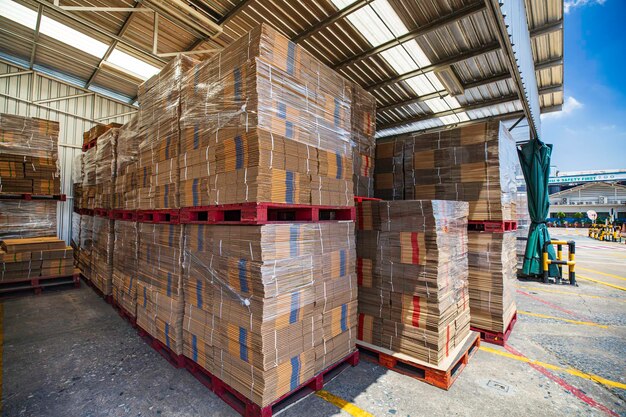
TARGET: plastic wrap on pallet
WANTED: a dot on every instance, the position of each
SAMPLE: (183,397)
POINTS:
(29,155)
(86,246)
(22,219)
(28,258)
(77,168)
(523,225)
(106,168)
(88,189)
(125,258)
(413,276)
(127,179)
(103,245)
(363,129)
(268,307)
(159,283)
(492,274)
(158,123)
(264,121)
(98,130)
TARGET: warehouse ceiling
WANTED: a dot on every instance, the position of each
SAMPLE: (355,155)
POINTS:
(428,63)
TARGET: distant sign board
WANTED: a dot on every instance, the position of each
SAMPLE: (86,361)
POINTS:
(592,214)
(618,176)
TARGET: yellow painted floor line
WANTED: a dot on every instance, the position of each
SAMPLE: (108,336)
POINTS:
(601,273)
(621,300)
(543,316)
(571,371)
(342,404)
(600,282)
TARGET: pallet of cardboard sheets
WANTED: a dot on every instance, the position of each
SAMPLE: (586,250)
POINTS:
(268,307)
(85,261)
(28,258)
(127,183)
(106,168)
(412,275)
(29,156)
(88,200)
(98,130)
(363,128)
(125,259)
(263,121)
(389,169)
(19,218)
(103,244)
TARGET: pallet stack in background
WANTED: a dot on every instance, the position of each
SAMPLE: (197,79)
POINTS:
(523,226)
(413,277)
(34,258)
(476,163)
(363,128)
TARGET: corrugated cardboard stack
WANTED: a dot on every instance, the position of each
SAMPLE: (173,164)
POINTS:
(28,258)
(98,130)
(263,121)
(88,200)
(127,183)
(19,219)
(389,169)
(86,246)
(160,301)
(106,169)
(412,275)
(29,156)
(159,117)
(75,240)
(523,225)
(363,123)
(125,259)
(102,253)
(268,307)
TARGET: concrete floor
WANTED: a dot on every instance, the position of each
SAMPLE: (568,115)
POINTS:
(69,354)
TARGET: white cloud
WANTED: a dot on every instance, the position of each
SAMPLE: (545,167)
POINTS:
(569,106)
(568,5)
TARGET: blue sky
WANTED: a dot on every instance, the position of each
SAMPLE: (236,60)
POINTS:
(590,132)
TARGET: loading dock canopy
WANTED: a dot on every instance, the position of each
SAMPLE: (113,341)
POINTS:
(428,63)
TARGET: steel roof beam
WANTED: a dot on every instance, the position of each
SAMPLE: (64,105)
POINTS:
(233,12)
(473,106)
(420,31)
(551,89)
(494,46)
(547,28)
(33,51)
(548,64)
(340,14)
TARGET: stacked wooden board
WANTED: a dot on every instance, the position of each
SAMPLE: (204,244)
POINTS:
(28,258)
(413,277)
(29,156)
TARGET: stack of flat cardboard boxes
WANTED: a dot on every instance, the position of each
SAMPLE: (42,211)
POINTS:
(127,180)
(29,156)
(106,169)
(88,189)
(475,163)
(27,219)
(363,119)
(29,258)
(98,130)
(103,239)
(412,276)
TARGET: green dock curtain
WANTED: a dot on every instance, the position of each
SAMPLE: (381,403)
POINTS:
(534,157)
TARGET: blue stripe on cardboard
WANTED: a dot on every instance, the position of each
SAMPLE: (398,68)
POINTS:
(200,237)
(289,130)
(237,75)
(295,373)
(342,262)
(194,347)
(199,292)
(243,344)
(170,240)
(289,186)
(294,234)
(344,316)
(168,142)
(169,284)
(194,191)
(238,152)
(196,136)
(291,58)
(130,286)
(166,195)
(145,298)
(337,118)
(167,334)
(295,307)
(282,110)
(145,177)
(339,165)
(243,281)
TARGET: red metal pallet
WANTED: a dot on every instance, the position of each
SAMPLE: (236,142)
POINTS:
(125,314)
(247,408)
(264,213)
(177,361)
(362,199)
(37,284)
(497,338)
(126,215)
(100,212)
(436,376)
(107,298)
(29,196)
(84,212)
(159,216)
(490,226)
(91,144)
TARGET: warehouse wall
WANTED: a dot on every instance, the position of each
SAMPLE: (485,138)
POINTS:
(20,94)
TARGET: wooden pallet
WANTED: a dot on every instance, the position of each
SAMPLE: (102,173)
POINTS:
(490,226)
(159,216)
(247,408)
(442,376)
(177,361)
(38,284)
(264,213)
(29,196)
(497,338)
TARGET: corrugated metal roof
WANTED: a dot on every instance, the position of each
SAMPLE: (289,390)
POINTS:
(452,34)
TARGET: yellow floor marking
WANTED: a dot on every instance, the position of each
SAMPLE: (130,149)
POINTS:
(570,293)
(571,371)
(543,316)
(342,404)
(601,273)
(600,282)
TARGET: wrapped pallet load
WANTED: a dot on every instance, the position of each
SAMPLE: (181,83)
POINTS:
(363,126)
(127,183)
(413,277)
